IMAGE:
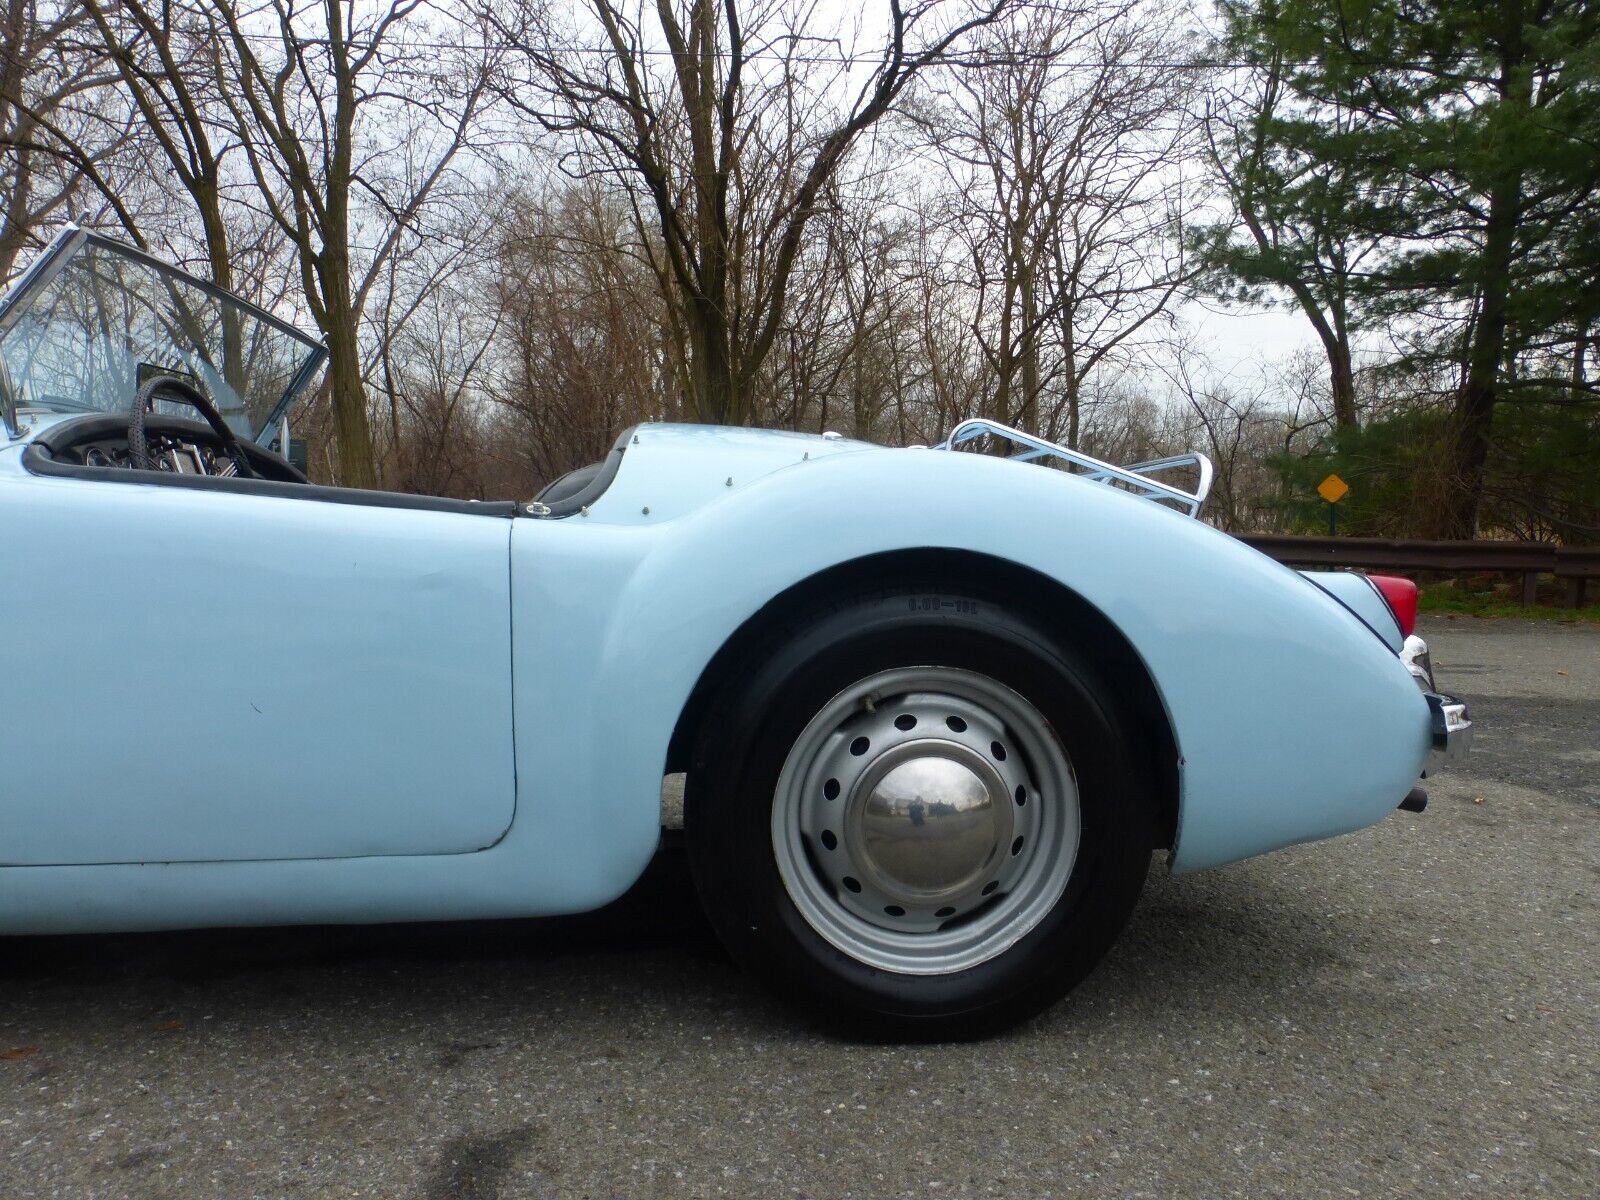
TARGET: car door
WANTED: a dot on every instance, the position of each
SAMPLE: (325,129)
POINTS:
(216,675)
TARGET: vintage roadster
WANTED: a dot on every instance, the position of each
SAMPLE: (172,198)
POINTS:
(935,708)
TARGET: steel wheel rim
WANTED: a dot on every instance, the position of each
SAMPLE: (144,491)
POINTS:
(941,841)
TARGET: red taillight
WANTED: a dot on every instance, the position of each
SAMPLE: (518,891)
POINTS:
(1402,597)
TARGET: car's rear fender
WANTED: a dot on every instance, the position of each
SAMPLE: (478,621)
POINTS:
(1292,722)
(1356,592)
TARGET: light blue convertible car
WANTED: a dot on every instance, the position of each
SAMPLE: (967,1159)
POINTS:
(934,708)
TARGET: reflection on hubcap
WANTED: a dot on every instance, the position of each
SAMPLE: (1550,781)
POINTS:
(932,823)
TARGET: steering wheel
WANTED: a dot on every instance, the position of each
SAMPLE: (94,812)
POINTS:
(182,390)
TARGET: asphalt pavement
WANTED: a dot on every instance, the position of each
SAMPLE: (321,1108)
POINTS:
(1413,1009)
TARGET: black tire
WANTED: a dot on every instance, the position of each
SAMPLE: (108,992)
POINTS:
(783,681)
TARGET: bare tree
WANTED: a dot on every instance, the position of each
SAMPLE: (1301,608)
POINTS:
(440,431)
(583,333)
(427,341)
(60,139)
(156,52)
(845,357)
(344,125)
(725,124)
(956,378)
(1066,154)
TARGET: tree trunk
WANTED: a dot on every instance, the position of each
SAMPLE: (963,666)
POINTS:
(1029,351)
(352,426)
(1466,445)
(713,397)
(1472,417)
(1071,373)
(13,223)
(1005,365)
(1580,350)
(862,426)
(13,67)
(207,198)
(1341,382)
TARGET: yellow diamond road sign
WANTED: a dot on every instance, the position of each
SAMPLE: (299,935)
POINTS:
(1333,489)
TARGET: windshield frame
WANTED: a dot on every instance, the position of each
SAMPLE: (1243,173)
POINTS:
(73,238)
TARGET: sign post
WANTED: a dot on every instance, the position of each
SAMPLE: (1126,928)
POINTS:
(1333,489)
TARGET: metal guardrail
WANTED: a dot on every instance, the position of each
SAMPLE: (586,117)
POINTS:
(1575,565)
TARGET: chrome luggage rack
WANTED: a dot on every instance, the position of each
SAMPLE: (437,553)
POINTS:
(1135,478)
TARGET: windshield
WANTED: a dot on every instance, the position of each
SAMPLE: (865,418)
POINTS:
(92,320)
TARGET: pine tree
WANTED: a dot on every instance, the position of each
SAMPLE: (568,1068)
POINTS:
(1460,141)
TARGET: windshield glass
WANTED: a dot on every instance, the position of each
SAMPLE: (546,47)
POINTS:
(92,320)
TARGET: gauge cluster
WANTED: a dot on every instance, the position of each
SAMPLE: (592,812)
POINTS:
(179,455)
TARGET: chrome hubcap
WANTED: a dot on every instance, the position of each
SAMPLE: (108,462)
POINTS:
(925,819)
(935,820)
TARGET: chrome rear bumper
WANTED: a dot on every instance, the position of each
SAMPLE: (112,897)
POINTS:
(1452,731)
(1452,724)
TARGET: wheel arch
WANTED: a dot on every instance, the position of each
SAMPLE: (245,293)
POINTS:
(1046,599)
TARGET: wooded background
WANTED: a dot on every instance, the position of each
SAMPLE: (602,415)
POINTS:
(522,225)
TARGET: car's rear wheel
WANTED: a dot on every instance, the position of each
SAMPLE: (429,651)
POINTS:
(917,809)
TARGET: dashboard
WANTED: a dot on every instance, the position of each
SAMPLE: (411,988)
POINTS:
(167,453)
(174,446)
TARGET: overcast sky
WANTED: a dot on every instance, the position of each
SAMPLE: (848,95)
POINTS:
(1241,339)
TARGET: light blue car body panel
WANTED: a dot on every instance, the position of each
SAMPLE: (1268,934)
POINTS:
(1357,594)
(1292,720)
(202,676)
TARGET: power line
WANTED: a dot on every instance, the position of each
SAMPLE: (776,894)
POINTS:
(968,58)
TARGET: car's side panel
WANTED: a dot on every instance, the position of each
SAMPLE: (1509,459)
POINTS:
(1355,592)
(190,676)
(1292,720)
